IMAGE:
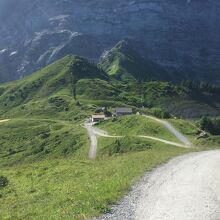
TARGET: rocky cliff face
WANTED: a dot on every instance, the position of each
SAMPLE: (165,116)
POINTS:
(181,35)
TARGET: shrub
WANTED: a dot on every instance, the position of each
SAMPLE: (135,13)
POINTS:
(78,103)
(59,103)
(210,125)
(159,113)
(11,98)
(45,135)
(3,181)
(126,144)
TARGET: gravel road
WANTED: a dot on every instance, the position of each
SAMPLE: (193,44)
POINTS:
(186,188)
(93,140)
(93,132)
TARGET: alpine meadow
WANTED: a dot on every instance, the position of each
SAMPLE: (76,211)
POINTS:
(109,110)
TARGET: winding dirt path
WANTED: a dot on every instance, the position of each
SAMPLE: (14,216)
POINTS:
(4,120)
(93,140)
(94,132)
(165,141)
(183,139)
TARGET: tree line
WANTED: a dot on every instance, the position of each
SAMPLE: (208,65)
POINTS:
(210,125)
(201,85)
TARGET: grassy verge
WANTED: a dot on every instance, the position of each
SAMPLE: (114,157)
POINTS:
(72,188)
(208,143)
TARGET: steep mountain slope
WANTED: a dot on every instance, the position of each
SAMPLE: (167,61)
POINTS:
(53,89)
(72,87)
(181,35)
(124,63)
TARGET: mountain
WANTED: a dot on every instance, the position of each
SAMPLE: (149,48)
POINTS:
(180,35)
(124,63)
(45,172)
(53,89)
(73,86)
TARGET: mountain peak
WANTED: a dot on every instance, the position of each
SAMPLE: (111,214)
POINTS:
(172,33)
(124,63)
(122,44)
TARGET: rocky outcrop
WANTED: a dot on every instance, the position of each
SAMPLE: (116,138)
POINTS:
(180,35)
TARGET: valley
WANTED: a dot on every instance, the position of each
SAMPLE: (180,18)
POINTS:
(109,109)
(45,148)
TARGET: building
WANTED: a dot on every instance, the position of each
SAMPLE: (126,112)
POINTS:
(123,111)
(98,118)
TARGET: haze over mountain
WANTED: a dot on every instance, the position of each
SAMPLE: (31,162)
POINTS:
(183,35)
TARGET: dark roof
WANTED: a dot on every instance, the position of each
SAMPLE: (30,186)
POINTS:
(123,110)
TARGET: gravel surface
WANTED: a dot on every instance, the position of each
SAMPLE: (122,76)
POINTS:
(93,132)
(93,140)
(186,188)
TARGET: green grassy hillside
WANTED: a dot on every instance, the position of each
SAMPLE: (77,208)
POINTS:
(44,147)
(123,63)
(24,140)
(72,188)
(54,85)
(59,89)
(179,100)
(136,125)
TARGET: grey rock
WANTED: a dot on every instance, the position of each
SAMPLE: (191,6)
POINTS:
(183,35)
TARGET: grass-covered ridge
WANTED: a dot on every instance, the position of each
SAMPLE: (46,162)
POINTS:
(124,63)
(64,84)
(58,79)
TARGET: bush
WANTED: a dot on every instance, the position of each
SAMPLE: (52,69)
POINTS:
(45,135)
(78,103)
(3,181)
(159,113)
(59,103)
(126,144)
(210,125)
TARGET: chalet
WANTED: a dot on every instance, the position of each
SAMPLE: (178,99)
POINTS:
(98,118)
(123,111)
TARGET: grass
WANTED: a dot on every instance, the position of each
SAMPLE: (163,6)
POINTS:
(28,140)
(208,143)
(56,89)
(50,177)
(190,130)
(59,181)
(95,89)
(124,63)
(72,188)
(44,149)
(137,125)
(186,127)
